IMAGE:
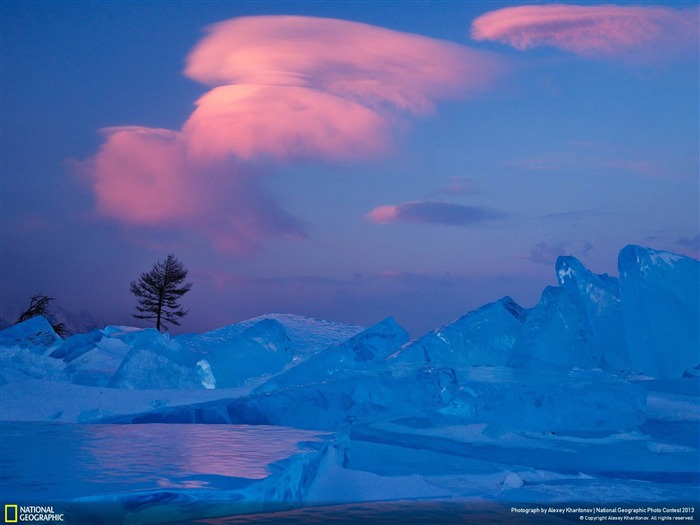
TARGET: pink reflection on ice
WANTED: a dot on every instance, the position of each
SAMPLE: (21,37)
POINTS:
(186,456)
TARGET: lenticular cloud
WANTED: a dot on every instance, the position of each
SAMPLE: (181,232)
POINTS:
(635,33)
(284,122)
(431,212)
(369,64)
(283,87)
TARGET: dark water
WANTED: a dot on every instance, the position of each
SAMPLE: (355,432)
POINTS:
(48,461)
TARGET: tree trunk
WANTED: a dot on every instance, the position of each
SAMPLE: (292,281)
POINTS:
(160,309)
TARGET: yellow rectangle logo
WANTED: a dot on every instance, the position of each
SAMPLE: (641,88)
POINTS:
(11,513)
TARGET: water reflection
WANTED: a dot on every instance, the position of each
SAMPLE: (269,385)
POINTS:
(58,460)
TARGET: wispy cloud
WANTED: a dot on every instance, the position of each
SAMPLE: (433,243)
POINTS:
(459,186)
(576,215)
(566,160)
(641,167)
(633,33)
(221,280)
(690,242)
(283,87)
(549,162)
(689,246)
(432,212)
(546,252)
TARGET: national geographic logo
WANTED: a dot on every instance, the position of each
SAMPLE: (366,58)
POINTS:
(31,513)
(11,513)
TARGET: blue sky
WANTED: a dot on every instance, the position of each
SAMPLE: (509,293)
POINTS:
(422,177)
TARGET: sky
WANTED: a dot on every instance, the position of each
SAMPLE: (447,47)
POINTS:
(342,160)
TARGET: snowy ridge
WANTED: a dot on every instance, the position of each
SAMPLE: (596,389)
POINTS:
(307,335)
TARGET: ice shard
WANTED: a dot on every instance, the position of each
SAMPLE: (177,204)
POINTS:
(660,292)
(482,337)
(598,296)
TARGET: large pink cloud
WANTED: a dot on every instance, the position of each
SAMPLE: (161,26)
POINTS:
(250,121)
(146,177)
(370,64)
(291,86)
(141,176)
(636,33)
(283,87)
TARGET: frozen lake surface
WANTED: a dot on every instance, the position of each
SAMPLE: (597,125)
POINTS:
(51,461)
(236,474)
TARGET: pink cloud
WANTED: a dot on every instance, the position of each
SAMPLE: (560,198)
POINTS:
(282,88)
(689,246)
(370,64)
(431,212)
(145,177)
(384,214)
(221,280)
(140,176)
(459,186)
(635,33)
(650,169)
(292,86)
(282,121)
(546,253)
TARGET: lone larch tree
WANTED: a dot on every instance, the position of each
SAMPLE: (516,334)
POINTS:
(159,291)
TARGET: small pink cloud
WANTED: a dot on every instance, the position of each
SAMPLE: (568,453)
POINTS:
(635,33)
(384,214)
(431,212)
(284,87)
(221,280)
(392,274)
(546,253)
(459,186)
